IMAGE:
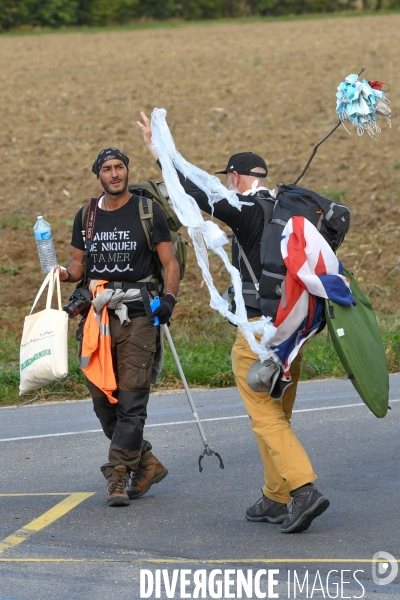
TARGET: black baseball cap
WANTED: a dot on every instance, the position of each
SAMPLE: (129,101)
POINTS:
(243,163)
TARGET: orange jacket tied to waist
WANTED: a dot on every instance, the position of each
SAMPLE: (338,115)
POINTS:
(96,358)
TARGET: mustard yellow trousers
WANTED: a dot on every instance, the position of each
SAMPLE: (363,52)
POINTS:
(286,464)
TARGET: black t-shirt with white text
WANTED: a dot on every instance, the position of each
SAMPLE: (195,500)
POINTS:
(119,250)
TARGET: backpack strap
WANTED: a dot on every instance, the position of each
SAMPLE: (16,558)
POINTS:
(158,192)
(248,290)
(147,219)
(265,203)
(85,208)
(241,255)
(89,212)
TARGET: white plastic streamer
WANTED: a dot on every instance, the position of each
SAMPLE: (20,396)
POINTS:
(206,234)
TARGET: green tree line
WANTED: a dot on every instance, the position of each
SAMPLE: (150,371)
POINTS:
(16,14)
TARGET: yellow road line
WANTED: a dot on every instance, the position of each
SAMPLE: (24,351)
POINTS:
(73,499)
(190,561)
(44,520)
(42,494)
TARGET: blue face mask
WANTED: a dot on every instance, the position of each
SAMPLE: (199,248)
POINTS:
(357,102)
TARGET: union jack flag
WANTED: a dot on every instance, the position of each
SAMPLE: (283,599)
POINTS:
(314,273)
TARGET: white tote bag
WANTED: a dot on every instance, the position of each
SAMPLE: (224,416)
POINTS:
(44,344)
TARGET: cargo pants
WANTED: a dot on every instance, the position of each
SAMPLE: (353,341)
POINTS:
(133,349)
(286,464)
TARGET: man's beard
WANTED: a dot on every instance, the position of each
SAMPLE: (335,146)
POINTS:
(114,192)
(230,186)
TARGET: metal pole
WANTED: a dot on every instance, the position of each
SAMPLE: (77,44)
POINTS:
(207,450)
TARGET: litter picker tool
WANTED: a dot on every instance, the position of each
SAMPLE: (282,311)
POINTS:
(150,306)
(207,450)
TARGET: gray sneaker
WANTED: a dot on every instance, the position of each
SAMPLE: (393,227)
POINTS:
(267,510)
(307,503)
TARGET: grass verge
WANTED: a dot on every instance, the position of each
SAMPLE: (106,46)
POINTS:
(203,341)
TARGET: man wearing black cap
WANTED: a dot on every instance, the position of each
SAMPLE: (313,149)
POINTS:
(246,163)
(289,498)
(120,262)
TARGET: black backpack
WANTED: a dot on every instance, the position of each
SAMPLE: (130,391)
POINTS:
(330,218)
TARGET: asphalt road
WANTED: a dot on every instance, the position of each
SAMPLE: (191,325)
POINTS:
(59,538)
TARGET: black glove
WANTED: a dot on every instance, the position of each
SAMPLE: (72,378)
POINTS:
(164,311)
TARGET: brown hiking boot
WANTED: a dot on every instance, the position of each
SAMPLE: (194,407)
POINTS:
(116,484)
(149,471)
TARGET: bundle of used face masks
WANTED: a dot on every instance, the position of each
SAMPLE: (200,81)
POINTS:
(361,102)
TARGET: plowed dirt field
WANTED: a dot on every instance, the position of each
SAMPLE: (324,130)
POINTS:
(261,86)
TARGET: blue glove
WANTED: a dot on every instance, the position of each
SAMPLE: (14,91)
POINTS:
(162,308)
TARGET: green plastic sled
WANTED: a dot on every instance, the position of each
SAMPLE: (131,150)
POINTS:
(357,340)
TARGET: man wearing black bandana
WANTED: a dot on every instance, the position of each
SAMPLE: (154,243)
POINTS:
(119,255)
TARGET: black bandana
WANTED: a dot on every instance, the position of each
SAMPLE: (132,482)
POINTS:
(108,154)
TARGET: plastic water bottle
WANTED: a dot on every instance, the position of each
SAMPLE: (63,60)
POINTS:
(45,245)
